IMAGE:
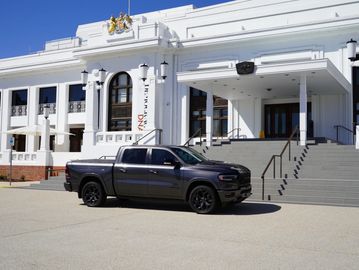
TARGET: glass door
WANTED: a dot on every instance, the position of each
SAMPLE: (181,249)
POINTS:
(281,120)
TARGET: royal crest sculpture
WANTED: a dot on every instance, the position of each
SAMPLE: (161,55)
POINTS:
(118,25)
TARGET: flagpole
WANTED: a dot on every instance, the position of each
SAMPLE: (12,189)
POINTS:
(129,8)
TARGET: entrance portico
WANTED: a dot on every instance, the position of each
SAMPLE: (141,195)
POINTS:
(315,81)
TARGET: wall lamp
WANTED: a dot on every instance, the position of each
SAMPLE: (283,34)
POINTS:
(99,82)
(352,53)
(163,70)
(46,111)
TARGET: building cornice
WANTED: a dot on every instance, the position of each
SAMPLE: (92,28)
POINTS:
(338,25)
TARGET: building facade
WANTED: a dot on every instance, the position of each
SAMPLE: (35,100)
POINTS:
(301,77)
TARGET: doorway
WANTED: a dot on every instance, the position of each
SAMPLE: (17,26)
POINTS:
(281,120)
(76,139)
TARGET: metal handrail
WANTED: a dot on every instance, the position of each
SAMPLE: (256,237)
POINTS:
(272,160)
(194,135)
(346,129)
(238,129)
(146,135)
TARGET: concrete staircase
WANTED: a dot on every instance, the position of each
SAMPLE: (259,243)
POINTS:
(320,173)
(55,183)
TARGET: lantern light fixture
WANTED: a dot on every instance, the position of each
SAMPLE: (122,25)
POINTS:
(351,46)
(84,77)
(46,111)
(102,76)
(143,71)
(164,67)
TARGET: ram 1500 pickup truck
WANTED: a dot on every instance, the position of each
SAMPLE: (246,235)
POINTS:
(166,172)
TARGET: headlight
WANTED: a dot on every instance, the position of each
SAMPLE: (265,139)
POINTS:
(227,177)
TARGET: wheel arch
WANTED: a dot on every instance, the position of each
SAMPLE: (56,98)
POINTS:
(90,178)
(199,182)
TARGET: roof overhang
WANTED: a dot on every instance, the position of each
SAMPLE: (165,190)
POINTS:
(280,80)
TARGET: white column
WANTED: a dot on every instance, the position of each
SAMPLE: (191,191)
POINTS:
(62,141)
(303,110)
(184,120)
(32,111)
(257,117)
(6,109)
(45,135)
(230,120)
(44,154)
(357,137)
(91,115)
(209,118)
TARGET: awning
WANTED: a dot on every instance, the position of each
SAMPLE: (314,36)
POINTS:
(280,80)
(35,130)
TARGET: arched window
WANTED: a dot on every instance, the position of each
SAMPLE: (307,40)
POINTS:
(120,103)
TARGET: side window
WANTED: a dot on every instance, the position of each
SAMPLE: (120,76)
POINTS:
(162,157)
(134,156)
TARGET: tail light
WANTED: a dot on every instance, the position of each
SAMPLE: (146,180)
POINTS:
(67,175)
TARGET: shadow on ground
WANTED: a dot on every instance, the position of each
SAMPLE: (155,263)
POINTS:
(241,209)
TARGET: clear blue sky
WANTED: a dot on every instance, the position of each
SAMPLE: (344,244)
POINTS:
(25,25)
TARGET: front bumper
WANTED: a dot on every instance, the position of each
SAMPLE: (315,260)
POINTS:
(68,186)
(235,195)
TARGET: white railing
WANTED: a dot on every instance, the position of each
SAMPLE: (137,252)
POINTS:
(124,137)
(77,106)
(24,156)
(52,107)
(20,110)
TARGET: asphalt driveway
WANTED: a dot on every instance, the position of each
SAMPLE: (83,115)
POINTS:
(53,230)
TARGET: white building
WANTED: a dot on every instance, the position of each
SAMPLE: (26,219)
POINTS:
(302,76)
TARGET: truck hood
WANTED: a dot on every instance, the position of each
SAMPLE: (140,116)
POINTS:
(214,165)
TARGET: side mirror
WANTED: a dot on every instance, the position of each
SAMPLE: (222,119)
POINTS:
(175,163)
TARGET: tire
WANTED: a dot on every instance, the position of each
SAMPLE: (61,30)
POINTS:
(203,200)
(93,194)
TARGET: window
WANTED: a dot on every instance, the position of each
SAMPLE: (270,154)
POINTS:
(77,98)
(198,100)
(134,156)
(47,95)
(76,93)
(19,98)
(120,103)
(19,103)
(189,157)
(162,157)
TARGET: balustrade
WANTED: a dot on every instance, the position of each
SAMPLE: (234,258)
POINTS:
(77,106)
(20,110)
(52,107)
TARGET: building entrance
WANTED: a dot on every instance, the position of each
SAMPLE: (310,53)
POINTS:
(198,113)
(281,119)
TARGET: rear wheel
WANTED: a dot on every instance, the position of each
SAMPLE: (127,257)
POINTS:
(93,194)
(203,200)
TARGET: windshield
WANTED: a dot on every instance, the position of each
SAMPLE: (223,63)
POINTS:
(189,155)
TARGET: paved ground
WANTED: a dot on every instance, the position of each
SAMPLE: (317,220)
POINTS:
(53,230)
(6,184)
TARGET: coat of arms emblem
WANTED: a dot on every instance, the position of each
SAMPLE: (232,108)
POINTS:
(118,25)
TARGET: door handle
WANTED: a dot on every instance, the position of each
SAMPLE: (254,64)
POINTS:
(153,171)
(123,170)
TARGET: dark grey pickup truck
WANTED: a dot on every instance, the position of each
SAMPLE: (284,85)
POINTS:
(166,172)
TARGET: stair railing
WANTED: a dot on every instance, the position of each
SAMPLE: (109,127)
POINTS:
(338,127)
(273,158)
(233,130)
(199,131)
(149,133)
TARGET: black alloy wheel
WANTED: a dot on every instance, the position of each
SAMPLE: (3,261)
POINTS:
(203,200)
(93,194)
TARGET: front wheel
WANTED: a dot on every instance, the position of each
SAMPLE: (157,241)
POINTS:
(93,194)
(203,200)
